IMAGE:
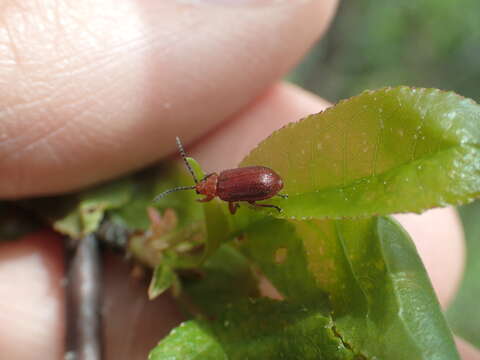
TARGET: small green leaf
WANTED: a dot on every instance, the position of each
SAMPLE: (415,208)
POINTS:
(163,277)
(382,152)
(69,224)
(80,214)
(190,341)
(96,201)
(464,314)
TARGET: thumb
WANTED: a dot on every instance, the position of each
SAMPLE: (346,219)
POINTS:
(93,89)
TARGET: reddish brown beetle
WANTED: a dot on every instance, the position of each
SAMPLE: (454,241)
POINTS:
(250,184)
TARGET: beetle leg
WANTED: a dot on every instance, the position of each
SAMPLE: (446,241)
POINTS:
(206,198)
(233,206)
(265,205)
(283,196)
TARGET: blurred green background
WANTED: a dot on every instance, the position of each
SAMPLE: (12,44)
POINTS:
(372,44)
(426,43)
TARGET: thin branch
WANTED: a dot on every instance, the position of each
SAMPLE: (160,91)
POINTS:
(83,340)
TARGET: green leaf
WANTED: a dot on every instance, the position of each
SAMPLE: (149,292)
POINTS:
(464,314)
(96,201)
(193,340)
(80,214)
(218,228)
(366,273)
(353,289)
(242,326)
(163,277)
(256,329)
(386,151)
(217,225)
(190,341)
(225,277)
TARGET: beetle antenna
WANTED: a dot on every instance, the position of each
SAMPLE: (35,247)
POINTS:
(161,195)
(184,157)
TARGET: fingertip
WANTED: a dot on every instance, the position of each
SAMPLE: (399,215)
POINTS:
(31,297)
(133,324)
(466,350)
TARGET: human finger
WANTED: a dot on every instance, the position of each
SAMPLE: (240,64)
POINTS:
(32,297)
(94,89)
(133,324)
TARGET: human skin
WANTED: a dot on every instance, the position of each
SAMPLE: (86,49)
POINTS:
(94,89)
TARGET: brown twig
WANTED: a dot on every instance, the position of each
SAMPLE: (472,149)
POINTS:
(83,292)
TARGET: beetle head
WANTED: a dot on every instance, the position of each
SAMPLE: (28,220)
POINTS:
(208,185)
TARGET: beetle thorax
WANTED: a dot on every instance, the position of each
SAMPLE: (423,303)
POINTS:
(208,185)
